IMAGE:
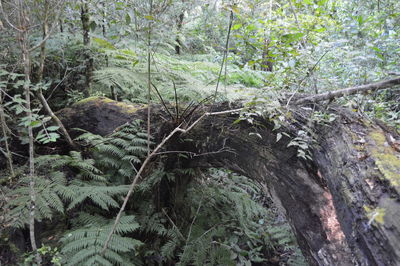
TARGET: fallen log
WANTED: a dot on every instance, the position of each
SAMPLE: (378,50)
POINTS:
(330,95)
(343,205)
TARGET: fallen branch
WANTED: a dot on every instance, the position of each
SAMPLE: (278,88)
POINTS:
(350,91)
(147,160)
(56,120)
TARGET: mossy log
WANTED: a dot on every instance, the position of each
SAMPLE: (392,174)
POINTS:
(343,205)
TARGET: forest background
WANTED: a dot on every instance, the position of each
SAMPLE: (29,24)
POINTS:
(58,205)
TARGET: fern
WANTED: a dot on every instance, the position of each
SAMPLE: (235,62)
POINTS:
(83,245)
(49,194)
(118,154)
(229,223)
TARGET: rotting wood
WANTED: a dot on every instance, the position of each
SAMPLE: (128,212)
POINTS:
(337,183)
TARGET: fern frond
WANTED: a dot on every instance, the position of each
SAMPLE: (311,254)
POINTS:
(48,200)
(83,245)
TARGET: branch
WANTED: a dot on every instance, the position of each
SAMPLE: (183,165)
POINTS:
(349,91)
(225,57)
(56,120)
(173,224)
(7,20)
(55,24)
(147,160)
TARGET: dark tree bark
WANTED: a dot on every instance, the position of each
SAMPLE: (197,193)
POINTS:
(177,39)
(266,64)
(343,205)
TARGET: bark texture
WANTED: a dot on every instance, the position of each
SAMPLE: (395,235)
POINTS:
(344,205)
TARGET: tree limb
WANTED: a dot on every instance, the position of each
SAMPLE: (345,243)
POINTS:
(56,120)
(349,91)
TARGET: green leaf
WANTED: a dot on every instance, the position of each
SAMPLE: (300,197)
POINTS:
(237,26)
(292,37)
(128,19)
(35,123)
(103,43)
(93,25)
(53,128)
(320,30)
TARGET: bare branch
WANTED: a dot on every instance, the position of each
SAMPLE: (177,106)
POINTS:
(50,32)
(6,18)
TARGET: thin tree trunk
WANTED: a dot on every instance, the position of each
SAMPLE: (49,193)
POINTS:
(39,94)
(225,53)
(5,136)
(85,19)
(27,72)
(149,80)
(178,44)
(266,64)
(43,45)
(61,26)
(114,94)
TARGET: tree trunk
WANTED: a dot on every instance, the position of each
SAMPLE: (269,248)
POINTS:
(39,93)
(343,205)
(266,64)
(23,37)
(85,19)
(177,39)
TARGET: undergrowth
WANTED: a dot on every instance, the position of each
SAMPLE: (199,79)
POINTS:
(215,218)
(126,71)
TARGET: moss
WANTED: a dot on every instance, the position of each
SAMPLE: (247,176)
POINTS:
(375,214)
(386,158)
(94,99)
(126,108)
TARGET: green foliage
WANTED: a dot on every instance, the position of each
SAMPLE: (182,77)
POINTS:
(127,73)
(120,153)
(49,199)
(82,246)
(49,255)
(277,50)
(228,225)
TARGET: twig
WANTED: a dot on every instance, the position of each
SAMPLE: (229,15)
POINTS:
(225,53)
(148,159)
(173,224)
(193,154)
(313,68)
(176,102)
(162,100)
(191,226)
(308,74)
